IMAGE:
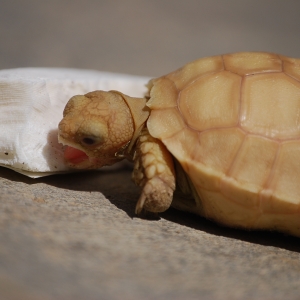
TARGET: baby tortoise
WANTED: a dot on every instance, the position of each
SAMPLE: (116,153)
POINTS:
(224,129)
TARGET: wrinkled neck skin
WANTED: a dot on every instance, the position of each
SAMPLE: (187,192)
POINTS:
(140,113)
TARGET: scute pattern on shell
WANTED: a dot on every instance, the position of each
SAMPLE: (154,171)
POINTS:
(233,123)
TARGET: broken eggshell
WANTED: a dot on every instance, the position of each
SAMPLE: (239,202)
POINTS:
(31,105)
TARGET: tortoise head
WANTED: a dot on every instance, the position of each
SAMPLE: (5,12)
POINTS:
(97,128)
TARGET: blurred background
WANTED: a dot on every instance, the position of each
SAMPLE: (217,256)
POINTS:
(141,37)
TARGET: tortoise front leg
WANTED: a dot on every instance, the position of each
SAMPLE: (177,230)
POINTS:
(154,171)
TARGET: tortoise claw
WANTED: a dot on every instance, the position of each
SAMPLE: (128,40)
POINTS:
(140,204)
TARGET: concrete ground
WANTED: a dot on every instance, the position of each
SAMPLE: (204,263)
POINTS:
(76,236)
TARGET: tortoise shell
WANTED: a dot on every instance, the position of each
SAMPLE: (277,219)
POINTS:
(233,124)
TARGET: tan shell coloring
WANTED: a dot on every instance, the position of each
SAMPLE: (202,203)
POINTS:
(233,124)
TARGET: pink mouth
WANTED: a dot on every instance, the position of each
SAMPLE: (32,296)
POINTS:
(80,160)
(74,155)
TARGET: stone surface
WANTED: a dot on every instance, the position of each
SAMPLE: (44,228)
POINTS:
(75,236)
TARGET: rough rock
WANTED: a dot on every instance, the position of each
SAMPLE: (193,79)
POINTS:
(75,236)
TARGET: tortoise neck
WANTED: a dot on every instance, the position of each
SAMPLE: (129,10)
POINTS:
(140,113)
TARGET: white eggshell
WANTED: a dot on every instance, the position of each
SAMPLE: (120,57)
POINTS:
(31,106)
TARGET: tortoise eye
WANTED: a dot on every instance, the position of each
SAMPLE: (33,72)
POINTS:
(89,141)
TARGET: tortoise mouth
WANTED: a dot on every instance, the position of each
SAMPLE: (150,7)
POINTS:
(78,159)
(74,156)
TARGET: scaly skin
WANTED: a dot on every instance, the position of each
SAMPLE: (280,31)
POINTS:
(154,171)
(99,124)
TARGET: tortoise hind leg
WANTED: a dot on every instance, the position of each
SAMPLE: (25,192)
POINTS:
(154,171)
